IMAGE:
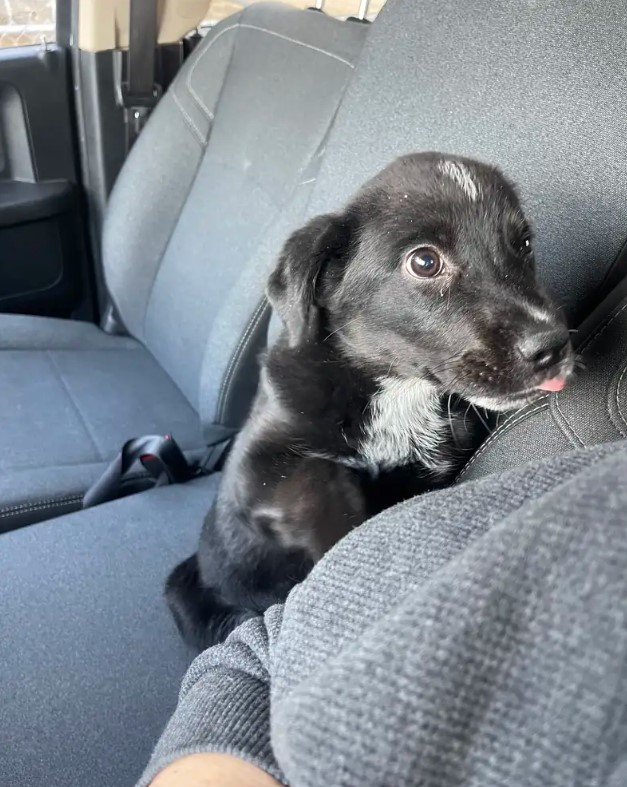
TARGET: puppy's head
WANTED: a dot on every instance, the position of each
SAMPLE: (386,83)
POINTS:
(429,272)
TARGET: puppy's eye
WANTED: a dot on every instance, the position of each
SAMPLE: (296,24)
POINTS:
(521,243)
(423,262)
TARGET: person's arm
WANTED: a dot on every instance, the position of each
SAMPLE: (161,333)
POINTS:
(213,770)
(224,708)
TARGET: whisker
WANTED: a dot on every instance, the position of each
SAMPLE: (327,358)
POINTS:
(450,420)
(466,413)
(339,329)
(487,428)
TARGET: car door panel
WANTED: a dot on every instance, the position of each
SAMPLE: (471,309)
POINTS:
(43,265)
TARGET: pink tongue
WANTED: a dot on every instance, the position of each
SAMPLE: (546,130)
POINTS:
(555,384)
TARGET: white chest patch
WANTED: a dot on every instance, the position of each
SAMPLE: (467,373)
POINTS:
(407,425)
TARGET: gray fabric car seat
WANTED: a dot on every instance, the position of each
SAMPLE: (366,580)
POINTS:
(192,228)
(461,76)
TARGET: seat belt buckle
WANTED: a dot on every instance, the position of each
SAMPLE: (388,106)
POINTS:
(164,458)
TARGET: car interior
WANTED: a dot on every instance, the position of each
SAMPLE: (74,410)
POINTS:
(135,243)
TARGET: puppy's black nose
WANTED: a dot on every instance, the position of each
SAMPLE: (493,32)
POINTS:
(544,348)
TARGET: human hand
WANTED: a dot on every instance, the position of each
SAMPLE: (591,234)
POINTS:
(212,770)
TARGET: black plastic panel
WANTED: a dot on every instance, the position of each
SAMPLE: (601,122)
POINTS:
(39,78)
(22,202)
(39,254)
(44,265)
(24,269)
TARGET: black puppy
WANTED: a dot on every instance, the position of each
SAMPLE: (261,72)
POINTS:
(422,288)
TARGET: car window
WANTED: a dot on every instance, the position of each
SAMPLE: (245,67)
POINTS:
(24,22)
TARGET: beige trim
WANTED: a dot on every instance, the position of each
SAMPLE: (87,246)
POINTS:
(103,24)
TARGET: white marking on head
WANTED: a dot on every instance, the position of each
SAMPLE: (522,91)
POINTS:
(537,313)
(462,176)
(406,426)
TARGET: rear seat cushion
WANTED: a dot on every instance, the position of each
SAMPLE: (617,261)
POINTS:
(91,660)
(71,396)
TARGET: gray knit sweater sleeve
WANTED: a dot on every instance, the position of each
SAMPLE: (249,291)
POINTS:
(224,702)
(475,636)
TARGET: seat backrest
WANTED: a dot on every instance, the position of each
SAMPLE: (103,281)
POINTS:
(536,88)
(235,140)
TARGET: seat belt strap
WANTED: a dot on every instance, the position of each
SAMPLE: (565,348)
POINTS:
(161,458)
(140,92)
(215,456)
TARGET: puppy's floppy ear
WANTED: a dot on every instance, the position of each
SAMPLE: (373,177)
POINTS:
(318,249)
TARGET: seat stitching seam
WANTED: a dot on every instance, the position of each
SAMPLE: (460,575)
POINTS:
(243,342)
(43,504)
(602,328)
(300,43)
(258,317)
(197,133)
(208,113)
(69,349)
(234,356)
(586,345)
(50,502)
(505,427)
(295,41)
(620,411)
(618,406)
(75,405)
(569,427)
(497,431)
